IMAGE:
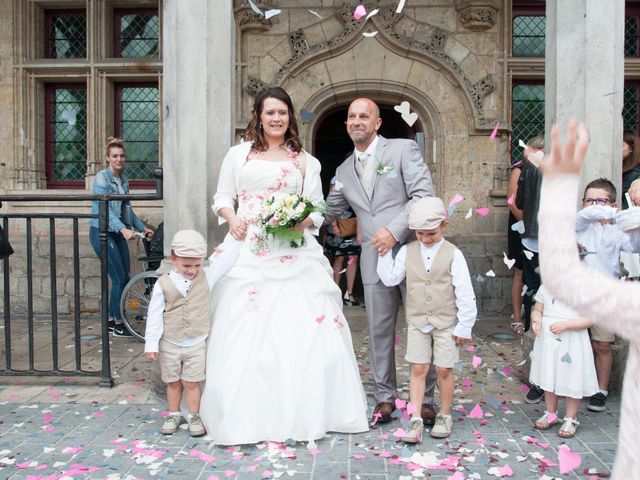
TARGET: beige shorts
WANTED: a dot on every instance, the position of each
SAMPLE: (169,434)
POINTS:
(599,334)
(182,363)
(437,347)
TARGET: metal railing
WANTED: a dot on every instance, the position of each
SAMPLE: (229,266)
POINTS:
(106,379)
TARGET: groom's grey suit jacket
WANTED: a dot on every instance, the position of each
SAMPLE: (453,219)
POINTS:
(401,177)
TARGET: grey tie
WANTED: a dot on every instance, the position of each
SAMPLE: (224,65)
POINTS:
(363,160)
(361,169)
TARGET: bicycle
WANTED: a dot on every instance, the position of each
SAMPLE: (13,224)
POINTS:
(137,292)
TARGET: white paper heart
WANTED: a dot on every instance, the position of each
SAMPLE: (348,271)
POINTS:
(404,107)
(369,34)
(508,261)
(536,157)
(410,118)
(490,273)
(272,13)
(528,254)
(518,227)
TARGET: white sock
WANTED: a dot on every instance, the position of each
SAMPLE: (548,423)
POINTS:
(175,414)
(605,392)
(445,416)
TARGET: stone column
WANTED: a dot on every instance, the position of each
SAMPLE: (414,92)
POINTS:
(584,78)
(197,110)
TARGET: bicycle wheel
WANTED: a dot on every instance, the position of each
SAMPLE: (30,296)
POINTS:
(135,301)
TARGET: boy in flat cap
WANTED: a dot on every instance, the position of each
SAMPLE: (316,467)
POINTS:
(440,309)
(178,323)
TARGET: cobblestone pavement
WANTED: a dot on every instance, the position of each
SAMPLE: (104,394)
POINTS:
(65,428)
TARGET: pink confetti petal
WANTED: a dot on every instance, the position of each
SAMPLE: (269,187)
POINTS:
(411,408)
(511,199)
(495,132)
(456,476)
(400,403)
(506,371)
(482,211)
(47,417)
(551,417)
(314,451)
(359,12)
(568,460)
(476,412)
(475,361)
(350,261)
(399,433)
(386,453)
(230,473)
(466,383)
(525,388)
(396,341)
(506,471)
(457,198)
(358,456)
(320,319)
(470,348)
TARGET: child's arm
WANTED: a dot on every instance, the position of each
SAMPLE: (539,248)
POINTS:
(592,214)
(577,324)
(536,317)
(392,271)
(155,326)
(223,258)
(465,298)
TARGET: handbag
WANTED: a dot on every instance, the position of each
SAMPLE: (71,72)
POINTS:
(347,227)
(5,246)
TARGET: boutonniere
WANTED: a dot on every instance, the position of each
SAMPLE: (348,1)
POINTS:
(384,169)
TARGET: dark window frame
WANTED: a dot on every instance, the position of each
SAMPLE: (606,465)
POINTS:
(50,136)
(117,121)
(48,15)
(118,13)
(517,83)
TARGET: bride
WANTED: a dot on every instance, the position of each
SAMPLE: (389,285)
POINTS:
(280,361)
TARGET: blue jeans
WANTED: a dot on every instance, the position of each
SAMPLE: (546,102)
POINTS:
(118,267)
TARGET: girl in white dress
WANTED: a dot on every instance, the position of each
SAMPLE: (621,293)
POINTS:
(280,360)
(561,361)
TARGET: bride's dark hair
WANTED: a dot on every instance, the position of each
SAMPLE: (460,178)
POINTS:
(254,129)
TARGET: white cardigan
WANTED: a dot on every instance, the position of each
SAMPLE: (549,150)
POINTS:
(229,179)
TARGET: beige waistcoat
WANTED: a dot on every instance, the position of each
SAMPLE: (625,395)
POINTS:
(185,316)
(430,294)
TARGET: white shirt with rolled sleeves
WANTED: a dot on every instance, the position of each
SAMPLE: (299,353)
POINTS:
(219,265)
(392,271)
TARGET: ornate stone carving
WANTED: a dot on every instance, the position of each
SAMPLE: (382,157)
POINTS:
(438,39)
(250,21)
(477,15)
(254,86)
(298,42)
(481,89)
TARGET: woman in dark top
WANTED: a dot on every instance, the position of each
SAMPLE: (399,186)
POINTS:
(630,162)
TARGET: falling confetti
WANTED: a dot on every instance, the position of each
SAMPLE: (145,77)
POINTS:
(272,13)
(404,109)
(313,12)
(457,198)
(400,6)
(509,262)
(482,211)
(469,214)
(359,12)
(522,144)
(372,13)
(566,358)
(495,132)
(320,319)
(255,8)
(528,254)
(518,227)
(369,34)
(476,412)
(490,273)
(511,199)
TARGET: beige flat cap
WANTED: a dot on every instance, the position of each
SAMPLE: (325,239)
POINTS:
(427,213)
(189,243)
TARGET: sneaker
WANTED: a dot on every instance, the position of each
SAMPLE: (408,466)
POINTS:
(171,424)
(112,325)
(414,431)
(196,428)
(534,395)
(119,330)
(443,426)
(597,403)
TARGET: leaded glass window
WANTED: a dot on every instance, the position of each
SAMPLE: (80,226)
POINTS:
(529,35)
(630,115)
(66,136)
(527,116)
(137,33)
(66,34)
(631,34)
(137,124)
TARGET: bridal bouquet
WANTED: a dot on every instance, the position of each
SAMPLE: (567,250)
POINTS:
(279,214)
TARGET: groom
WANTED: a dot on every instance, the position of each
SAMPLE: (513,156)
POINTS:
(378,181)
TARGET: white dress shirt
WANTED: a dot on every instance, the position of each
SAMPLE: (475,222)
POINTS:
(367,174)
(220,262)
(392,271)
(604,241)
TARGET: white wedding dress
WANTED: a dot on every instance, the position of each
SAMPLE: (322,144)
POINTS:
(280,360)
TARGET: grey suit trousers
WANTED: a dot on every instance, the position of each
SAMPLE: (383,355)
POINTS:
(382,304)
